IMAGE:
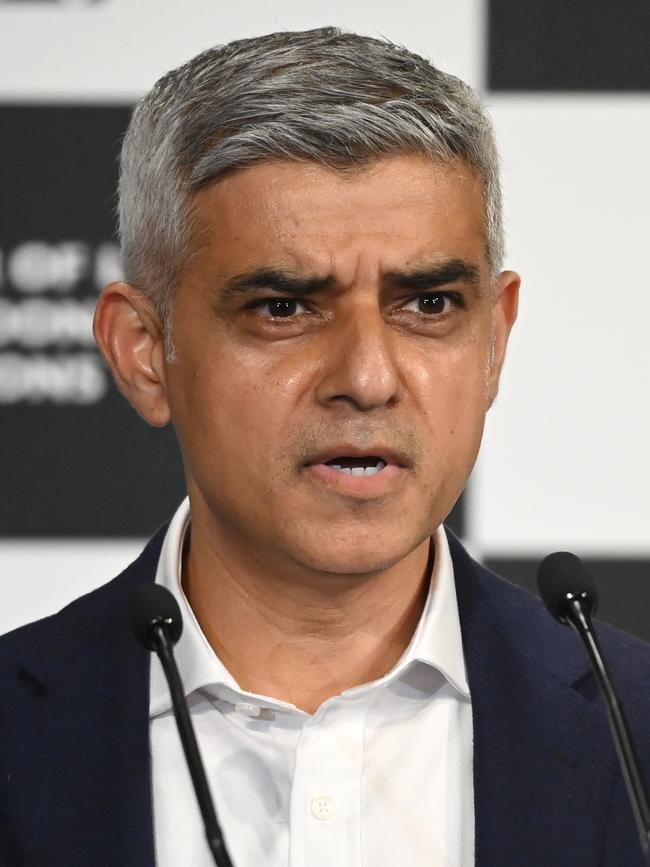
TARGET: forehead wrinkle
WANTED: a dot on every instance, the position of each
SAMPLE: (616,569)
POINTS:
(363,269)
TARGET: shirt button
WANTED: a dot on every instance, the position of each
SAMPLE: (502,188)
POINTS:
(323,808)
(248,708)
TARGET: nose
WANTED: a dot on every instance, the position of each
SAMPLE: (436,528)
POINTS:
(360,367)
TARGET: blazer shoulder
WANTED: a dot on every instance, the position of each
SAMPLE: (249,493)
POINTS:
(91,614)
(509,608)
(627,656)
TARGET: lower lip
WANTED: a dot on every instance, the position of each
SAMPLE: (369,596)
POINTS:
(376,485)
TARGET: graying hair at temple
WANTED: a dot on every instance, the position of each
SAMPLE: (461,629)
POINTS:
(340,99)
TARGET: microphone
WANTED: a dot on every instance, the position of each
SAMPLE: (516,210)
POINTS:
(570,596)
(157,623)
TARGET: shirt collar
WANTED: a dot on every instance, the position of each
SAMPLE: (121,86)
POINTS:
(436,642)
(198,664)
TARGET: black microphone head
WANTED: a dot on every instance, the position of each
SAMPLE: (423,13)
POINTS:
(152,604)
(562,577)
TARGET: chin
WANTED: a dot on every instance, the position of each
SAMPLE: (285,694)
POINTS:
(357,557)
(358,544)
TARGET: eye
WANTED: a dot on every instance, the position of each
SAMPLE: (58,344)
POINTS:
(278,308)
(432,304)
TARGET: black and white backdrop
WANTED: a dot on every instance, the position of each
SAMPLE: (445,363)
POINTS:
(564,463)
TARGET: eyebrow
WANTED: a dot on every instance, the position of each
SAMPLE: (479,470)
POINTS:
(289,283)
(277,280)
(432,276)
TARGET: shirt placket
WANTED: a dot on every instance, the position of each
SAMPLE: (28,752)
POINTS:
(325,798)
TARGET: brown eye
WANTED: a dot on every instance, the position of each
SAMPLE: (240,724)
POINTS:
(432,303)
(278,308)
(283,307)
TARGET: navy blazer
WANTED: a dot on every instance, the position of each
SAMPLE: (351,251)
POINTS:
(75,776)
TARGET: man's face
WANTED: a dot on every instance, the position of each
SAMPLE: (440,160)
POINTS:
(337,345)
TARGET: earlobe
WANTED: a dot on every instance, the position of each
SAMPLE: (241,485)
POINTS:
(505,309)
(129,335)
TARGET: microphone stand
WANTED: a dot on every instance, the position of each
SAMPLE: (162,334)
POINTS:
(162,645)
(578,616)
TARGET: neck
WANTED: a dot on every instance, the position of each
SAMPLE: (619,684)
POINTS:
(305,638)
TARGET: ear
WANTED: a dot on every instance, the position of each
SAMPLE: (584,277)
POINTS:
(129,335)
(505,306)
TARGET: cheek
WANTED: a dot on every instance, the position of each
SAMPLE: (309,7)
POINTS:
(232,403)
(453,402)
(452,385)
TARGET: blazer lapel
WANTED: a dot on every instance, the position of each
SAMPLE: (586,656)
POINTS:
(79,764)
(543,763)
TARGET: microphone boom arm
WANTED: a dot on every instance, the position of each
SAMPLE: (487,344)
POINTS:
(160,641)
(578,617)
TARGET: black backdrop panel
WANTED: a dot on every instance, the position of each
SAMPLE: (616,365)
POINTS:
(569,45)
(75,459)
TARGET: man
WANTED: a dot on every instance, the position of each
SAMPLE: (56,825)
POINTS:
(312,238)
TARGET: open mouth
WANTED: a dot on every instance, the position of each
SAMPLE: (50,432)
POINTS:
(357,466)
(348,470)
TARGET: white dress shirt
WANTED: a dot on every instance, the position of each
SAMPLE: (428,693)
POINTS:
(379,776)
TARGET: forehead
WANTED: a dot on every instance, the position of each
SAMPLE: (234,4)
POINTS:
(401,209)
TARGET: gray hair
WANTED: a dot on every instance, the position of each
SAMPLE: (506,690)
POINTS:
(337,98)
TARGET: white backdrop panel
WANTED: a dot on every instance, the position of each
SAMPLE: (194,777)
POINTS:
(38,577)
(565,459)
(116,49)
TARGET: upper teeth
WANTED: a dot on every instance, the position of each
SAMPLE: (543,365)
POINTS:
(360,471)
